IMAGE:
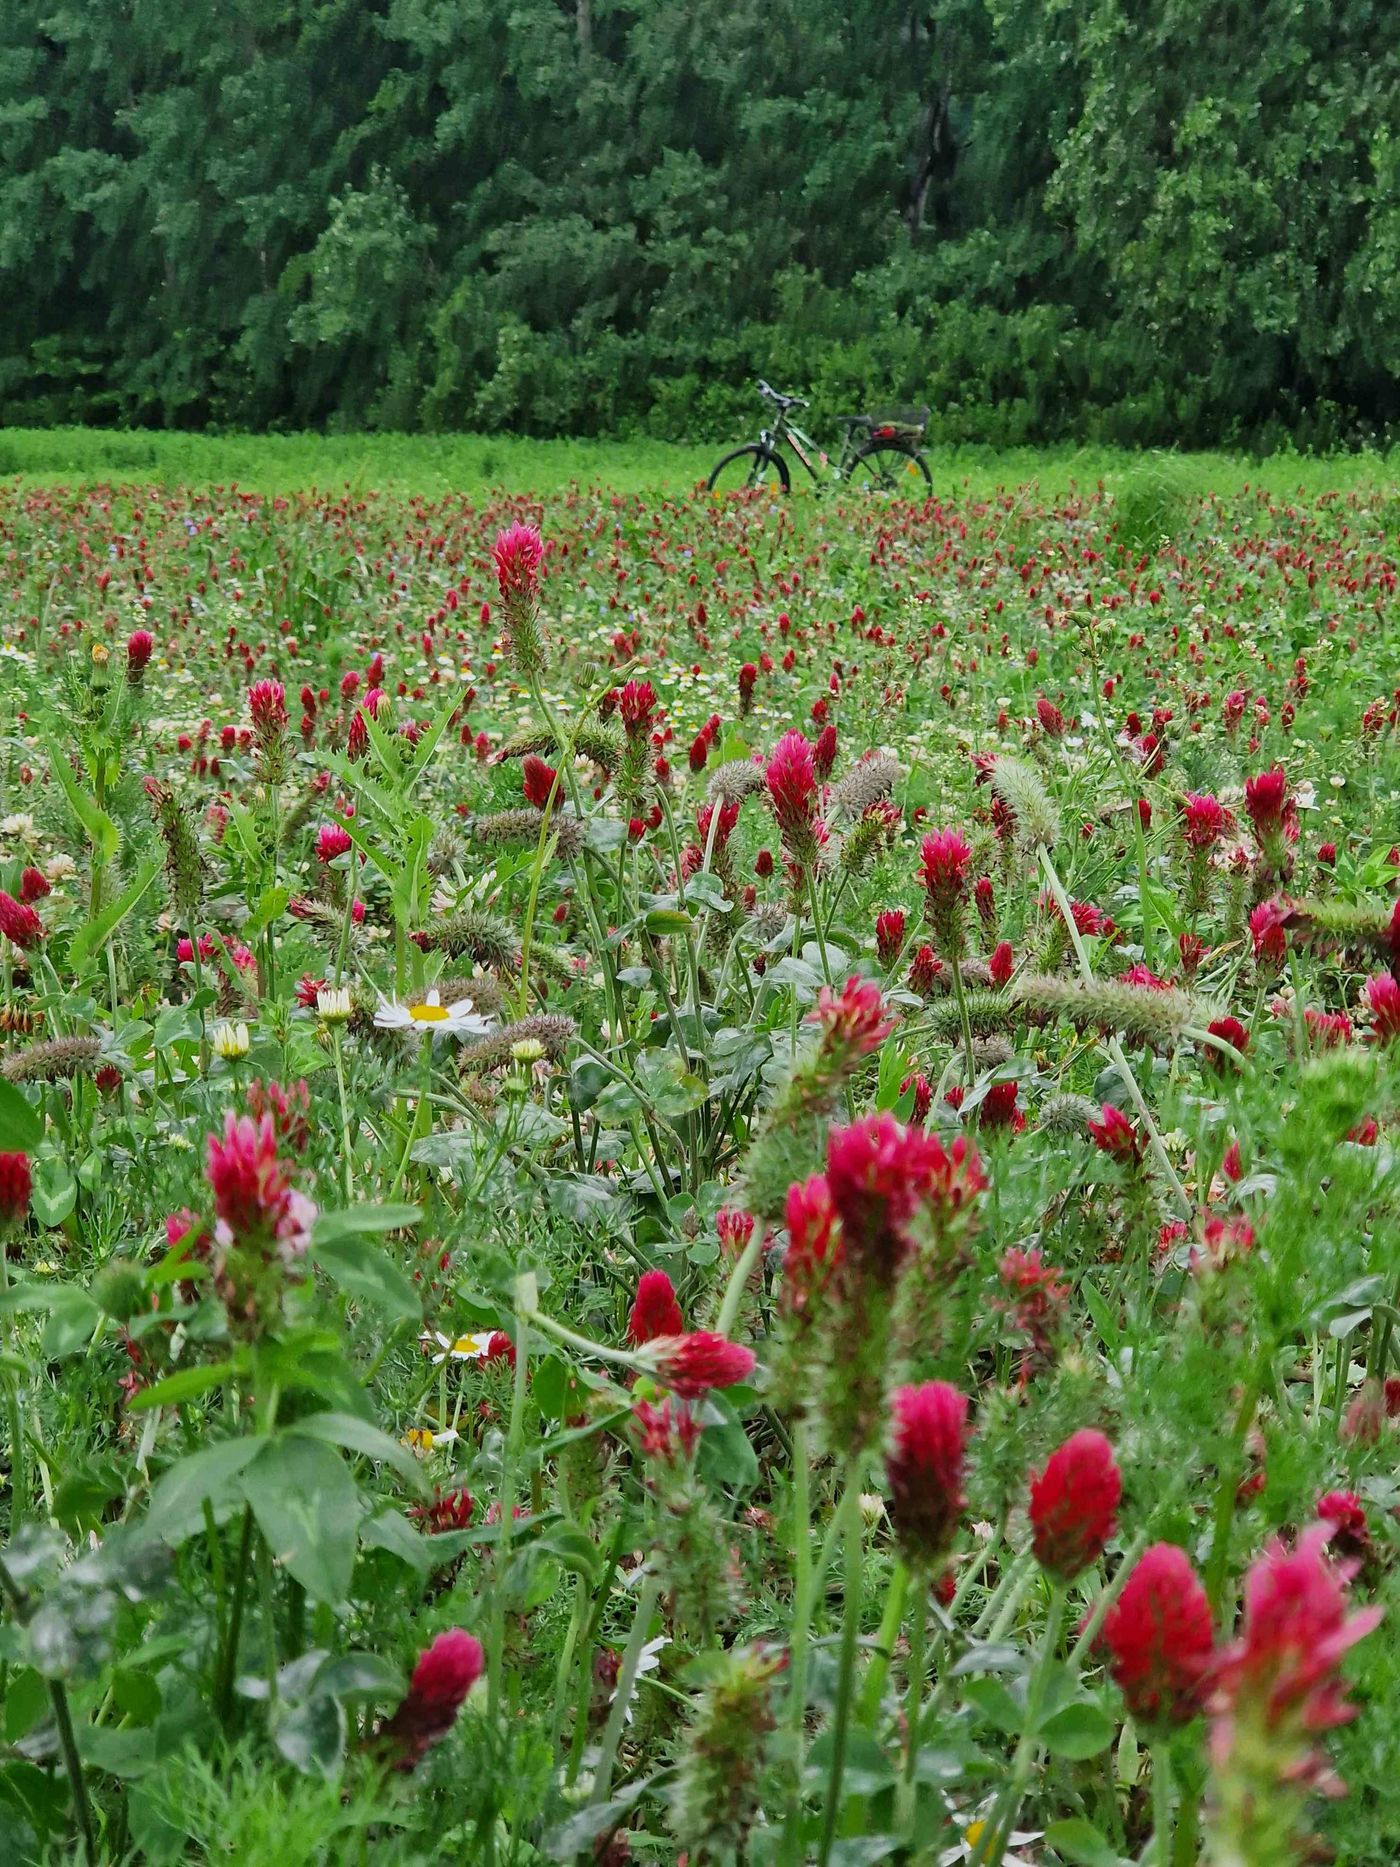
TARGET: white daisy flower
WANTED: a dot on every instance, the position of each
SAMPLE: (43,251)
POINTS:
(231,1040)
(431,1018)
(423,1440)
(333,1004)
(455,1348)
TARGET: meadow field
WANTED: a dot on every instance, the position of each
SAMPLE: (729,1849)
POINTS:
(697,1179)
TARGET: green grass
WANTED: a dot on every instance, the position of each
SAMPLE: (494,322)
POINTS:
(471,464)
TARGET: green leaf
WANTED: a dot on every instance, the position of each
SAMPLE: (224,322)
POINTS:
(176,1508)
(1078,1731)
(102,833)
(307,1507)
(390,1531)
(332,1226)
(72,1318)
(187,1384)
(311,1736)
(265,913)
(363,1269)
(55,1192)
(1079,1841)
(21,1124)
(95,934)
(343,1429)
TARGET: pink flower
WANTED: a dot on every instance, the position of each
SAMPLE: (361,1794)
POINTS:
(1230,1031)
(1002,964)
(1159,1638)
(655,1310)
(253,1199)
(734,1229)
(19,923)
(668,1433)
(1266,801)
(824,752)
(537,781)
(636,703)
(944,856)
(690,1365)
(791,778)
(1204,821)
(518,552)
(814,1243)
(33,886)
(889,935)
(445,1673)
(139,645)
(1278,1682)
(853,1021)
(332,841)
(267,708)
(998,1108)
(1115,1135)
(880,1175)
(925,1468)
(1266,933)
(1074,1504)
(1383,998)
(16,1187)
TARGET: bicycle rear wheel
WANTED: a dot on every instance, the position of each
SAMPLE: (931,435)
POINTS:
(752,465)
(884,467)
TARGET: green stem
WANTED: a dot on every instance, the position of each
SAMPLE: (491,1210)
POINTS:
(346,1156)
(850,1634)
(873,1690)
(509,1467)
(63,1720)
(914,1673)
(228,1658)
(1227,1485)
(992,1843)
(1161,1804)
(802,1599)
(738,1282)
(622,1698)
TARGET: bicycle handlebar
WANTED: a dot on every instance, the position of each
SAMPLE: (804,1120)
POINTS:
(783,401)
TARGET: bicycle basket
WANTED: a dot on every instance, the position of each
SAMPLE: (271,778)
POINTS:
(904,425)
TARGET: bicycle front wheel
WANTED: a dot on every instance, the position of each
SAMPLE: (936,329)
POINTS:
(752,465)
(882,467)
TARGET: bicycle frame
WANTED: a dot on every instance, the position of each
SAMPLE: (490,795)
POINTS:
(787,433)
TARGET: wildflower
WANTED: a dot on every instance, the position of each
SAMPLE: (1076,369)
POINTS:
(852,1021)
(879,1175)
(748,678)
(1052,721)
(1074,1504)
(922,1090)
(518,553)
(924,970)
(1034,1301)
(944,856)
(253,1198)
(19,923)
(1278,1685)
(16,1186)
(1230,1031)
(668,1433)
(230,1041)
(1266,933)
(1345,1515)
(1159,1638)
(791,779)
(444,1675)
(429,1017)
(333,1003)
(998,1109)
(1115,1135)
(538,781)
(454,1347)
(1002,964)
(33,886)
(655,1310)
(734,1229)
(690,1365)
(813,1242)
(423,1440)
(1266,801)
(138,654)
(985,901)
(925,1469)
(889,935)
(449,1510)
(716,1798)
(1204,821)
(1383,998)
(332,840)
(267,708)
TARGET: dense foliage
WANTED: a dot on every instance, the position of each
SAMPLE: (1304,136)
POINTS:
(1172,222)
(725,1188)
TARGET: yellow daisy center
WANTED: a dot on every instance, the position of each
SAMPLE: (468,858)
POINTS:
(427,1014)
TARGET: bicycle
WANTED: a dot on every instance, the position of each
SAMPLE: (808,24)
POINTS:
(879,452)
